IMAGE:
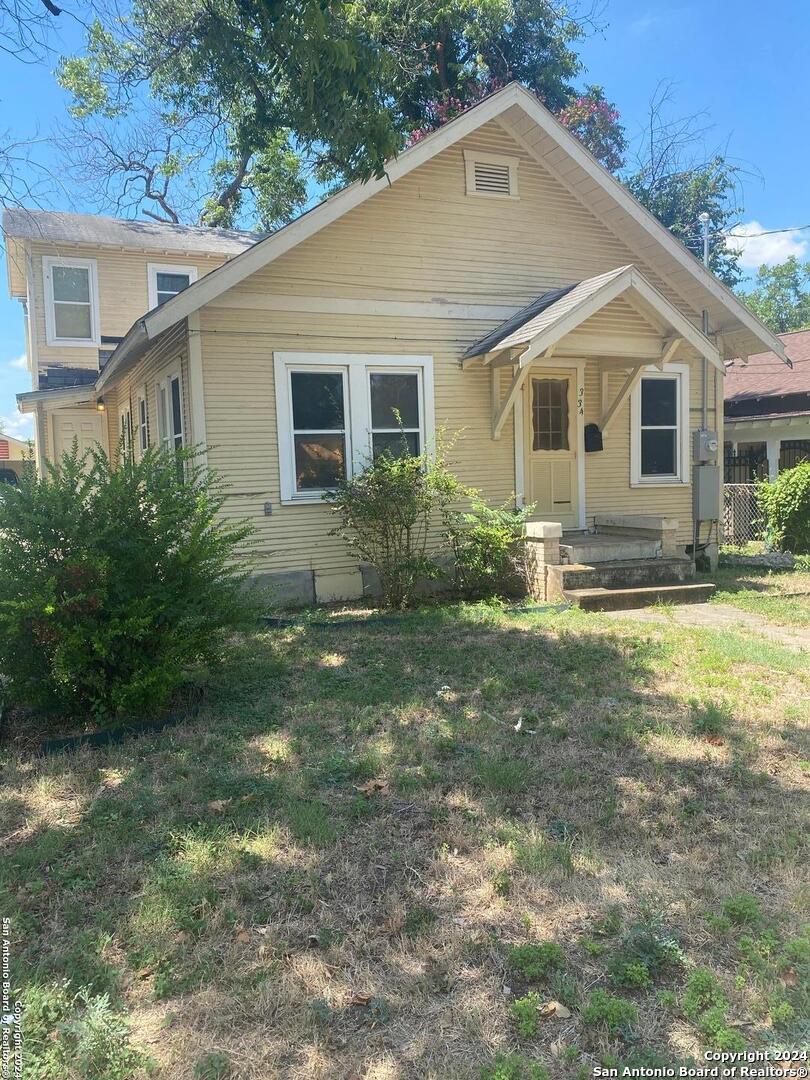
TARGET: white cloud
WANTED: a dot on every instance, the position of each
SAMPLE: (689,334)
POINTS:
(20,361)
(18,425)
(756,251)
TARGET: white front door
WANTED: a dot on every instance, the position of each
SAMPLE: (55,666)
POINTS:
(85,425)
(552,408)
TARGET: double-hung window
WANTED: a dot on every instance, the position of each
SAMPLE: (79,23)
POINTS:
(142,423)
(167,281)
(71,301)
(125,430)
(170,412)
(659,436)
(337,412)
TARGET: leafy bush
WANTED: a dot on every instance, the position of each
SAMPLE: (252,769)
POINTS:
(536,961)
(78,1035)
(611,1014)
(524,1012)
(114,582)
(630,974)
(489,550)
(386,515)
(785,505)
(703,992)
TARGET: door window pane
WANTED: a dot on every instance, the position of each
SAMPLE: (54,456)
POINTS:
(659,403)
(71,283)
(394,400)
(658,452)
(550,414)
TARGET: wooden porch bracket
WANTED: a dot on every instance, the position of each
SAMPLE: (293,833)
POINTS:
(668,352)
(500,413)
(609,414)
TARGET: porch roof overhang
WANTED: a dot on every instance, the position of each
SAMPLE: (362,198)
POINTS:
(544,323)
(61,398)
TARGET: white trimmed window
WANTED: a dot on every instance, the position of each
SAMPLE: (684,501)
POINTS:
(71,301)
(166,281)
(169,393)
(125,430)
(142,422)
(338,411)
(492,175)
(659,427)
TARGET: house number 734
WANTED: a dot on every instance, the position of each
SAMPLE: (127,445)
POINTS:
(581,400)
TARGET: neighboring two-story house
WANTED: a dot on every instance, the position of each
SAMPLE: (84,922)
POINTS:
(496,282)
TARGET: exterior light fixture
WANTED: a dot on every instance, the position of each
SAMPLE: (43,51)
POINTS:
(100,406)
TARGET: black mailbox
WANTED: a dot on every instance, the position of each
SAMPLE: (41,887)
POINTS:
(593,438)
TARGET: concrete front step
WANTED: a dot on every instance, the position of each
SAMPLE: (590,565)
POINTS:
(601,599)
(623,574)
(586,550)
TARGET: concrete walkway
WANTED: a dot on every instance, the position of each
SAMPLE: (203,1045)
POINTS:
(721,617)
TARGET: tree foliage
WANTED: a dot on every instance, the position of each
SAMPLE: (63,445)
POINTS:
(780,295)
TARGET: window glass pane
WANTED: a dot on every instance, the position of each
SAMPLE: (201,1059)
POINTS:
(162,419)
(177,410)
(71,283)
(395,443)
(550,414)
(658,403)
(394,393)
(319,461)
(171,283)
(658,452)
(317,400)
(72,321)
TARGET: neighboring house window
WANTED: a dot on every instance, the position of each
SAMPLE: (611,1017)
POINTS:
(167,281)
(170,412)
(493,175)
(143,424)
(336,412)
(125,430)
(659,433)
(71,301)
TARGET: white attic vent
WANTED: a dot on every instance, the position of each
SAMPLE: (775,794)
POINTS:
(494,175)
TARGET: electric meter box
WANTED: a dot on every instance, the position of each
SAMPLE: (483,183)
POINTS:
(705,445)
(706,492)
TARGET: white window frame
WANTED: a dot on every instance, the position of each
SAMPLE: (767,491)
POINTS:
(48,264)
(167,434)
(125,428)
(357,407)
(472,157)
(142,426)
(153,269)
(680,373)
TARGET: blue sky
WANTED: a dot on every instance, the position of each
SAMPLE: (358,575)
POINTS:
(742,64)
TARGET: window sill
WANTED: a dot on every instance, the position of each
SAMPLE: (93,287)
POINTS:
(673,481)
(304,500)
(73,343)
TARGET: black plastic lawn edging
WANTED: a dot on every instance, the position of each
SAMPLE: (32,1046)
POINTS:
(279,622)
(113,736)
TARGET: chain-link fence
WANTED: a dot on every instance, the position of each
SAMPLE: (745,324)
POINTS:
(742,519)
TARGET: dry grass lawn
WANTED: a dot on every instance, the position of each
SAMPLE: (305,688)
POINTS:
(327,872)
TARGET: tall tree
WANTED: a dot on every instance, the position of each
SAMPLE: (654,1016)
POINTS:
(780,296)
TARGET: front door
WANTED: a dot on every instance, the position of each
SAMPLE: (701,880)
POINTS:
(551,423)
(85,425)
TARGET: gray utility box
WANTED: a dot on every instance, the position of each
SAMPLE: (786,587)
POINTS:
(706,492)
(705,445)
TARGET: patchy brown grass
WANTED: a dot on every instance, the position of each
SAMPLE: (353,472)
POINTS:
(251,902)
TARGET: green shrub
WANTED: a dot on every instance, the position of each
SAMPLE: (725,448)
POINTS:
(703,992)
(743,910)
(648,946)
(514,1067)
(114,582)
(386,514)
(488,546)
(78,1035)
(629,974)
(536,961)
(785,505)
(608,1013)
(524,1012)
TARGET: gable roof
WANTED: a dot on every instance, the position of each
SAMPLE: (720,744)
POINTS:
(543,137)
(766,376)
(554,316)
(50,226)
